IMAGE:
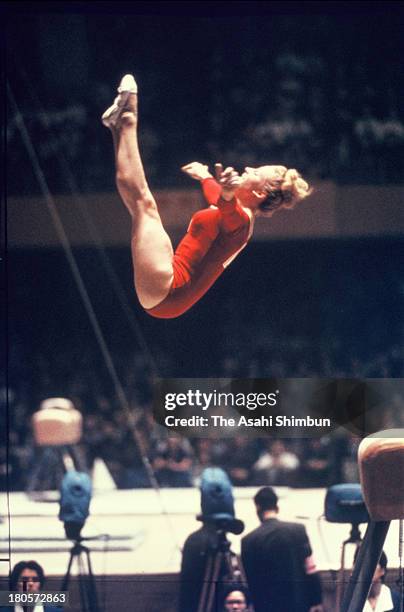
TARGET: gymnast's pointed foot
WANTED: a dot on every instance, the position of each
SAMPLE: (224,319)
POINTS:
(126,101)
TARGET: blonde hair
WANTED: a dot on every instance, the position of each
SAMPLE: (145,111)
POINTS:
(294,187)
(290,188)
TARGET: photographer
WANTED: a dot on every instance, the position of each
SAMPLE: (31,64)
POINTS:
(197,548)
(209,542)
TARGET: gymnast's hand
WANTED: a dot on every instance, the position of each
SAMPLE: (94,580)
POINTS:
(228,179)
(197,171)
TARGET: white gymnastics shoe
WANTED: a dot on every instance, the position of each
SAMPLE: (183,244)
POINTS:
(127,86)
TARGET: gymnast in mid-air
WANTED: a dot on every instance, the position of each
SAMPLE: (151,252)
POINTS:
(168,283)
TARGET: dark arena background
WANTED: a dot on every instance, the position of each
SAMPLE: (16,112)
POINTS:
(318,293)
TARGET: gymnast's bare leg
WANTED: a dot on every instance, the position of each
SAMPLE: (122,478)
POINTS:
(152,251)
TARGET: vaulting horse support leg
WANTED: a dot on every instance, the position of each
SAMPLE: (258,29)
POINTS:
(381,468)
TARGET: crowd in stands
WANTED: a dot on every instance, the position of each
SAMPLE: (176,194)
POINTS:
(314,94)
(344,325)
(178,461)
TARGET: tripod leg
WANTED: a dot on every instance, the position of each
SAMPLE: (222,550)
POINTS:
(206,584)
(66,579)
(91,586)
(84,599)
(217,565)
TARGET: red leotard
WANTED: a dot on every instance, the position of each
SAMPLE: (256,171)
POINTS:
(215,236)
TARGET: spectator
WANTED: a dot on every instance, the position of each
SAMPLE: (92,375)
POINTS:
(315,467)
(238,460)
(134,474)
(235,599)
(381,598)
(172,462)
(28,576)
(276,465)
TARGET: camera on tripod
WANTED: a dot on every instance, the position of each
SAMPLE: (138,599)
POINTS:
(222,565)
(75,497)
(344,504)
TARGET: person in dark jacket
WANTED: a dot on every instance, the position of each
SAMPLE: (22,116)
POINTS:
(278,562)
